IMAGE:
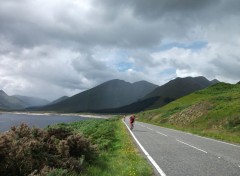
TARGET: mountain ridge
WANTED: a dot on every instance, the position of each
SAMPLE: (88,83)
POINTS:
(10,102)
(32,101)
(110,94)
(164,94)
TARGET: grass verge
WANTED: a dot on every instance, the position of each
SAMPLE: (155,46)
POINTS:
(117,152)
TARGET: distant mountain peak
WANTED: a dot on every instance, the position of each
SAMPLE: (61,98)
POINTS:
(59,100)
(111,94)
(214,81)
(115,80)
(2,92)
(10,102)
(141,82)
(32,101)
(112,81)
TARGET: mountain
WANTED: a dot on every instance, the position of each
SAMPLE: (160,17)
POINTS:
(32,101)
(10,102)
(215,81)
(164,94)
(59,100)
(213,111)
(238,82)
(177,88)
(111,94)
(131,108)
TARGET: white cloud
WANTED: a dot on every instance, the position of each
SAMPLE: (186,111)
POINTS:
(213,61)
(59,47)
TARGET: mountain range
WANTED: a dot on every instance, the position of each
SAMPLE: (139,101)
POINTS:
(111,94)
(10,102)
(164,94)
(58,100)
(31,101)
(114,96)
(177,88)
(19,102)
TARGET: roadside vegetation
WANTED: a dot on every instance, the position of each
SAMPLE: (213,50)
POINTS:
(88,148)
(213,112)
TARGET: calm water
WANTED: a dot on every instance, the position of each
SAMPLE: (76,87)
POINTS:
(8,120)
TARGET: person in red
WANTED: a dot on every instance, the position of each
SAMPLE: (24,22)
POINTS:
(132,119)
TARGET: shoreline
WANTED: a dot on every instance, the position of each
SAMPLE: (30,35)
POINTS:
(60,114)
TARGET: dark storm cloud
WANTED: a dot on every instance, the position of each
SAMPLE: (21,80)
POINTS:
(26,27)
(132,23)
(154,9)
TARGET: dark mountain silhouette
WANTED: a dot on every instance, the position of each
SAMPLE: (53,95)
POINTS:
(131,108)
(32,101)
(58,100)
(10,102)
(164,94)
(238,82)
(177,88)
(111,94)
(180,87)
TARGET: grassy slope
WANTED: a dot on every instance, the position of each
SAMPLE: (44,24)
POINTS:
(117,153)
(212,112)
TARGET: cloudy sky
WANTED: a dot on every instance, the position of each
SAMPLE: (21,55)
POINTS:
(62,47)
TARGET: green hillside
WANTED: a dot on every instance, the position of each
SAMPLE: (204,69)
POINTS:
(213,112)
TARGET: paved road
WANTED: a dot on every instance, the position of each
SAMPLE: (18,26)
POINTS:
(183,154)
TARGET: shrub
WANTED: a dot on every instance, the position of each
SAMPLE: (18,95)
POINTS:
(25,150)
(233,123)
(101,132)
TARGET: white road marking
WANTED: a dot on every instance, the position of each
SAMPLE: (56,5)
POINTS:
(150,129)
(197,136)
(160,171)
(161,133)
(192,146)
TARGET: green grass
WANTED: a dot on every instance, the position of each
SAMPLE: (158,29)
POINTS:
(117,153)
(213,112)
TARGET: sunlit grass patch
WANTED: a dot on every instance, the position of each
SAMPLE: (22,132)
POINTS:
(124,158)
(118,154)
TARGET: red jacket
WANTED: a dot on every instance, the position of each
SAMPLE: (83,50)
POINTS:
(132,118)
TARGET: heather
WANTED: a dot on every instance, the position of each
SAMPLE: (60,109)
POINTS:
(33,151)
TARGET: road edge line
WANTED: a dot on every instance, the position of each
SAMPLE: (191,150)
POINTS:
(184,132)
(160,171)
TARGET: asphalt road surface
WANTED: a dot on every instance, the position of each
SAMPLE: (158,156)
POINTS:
(178,153)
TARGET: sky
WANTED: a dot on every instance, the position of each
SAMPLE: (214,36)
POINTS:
(62,47)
